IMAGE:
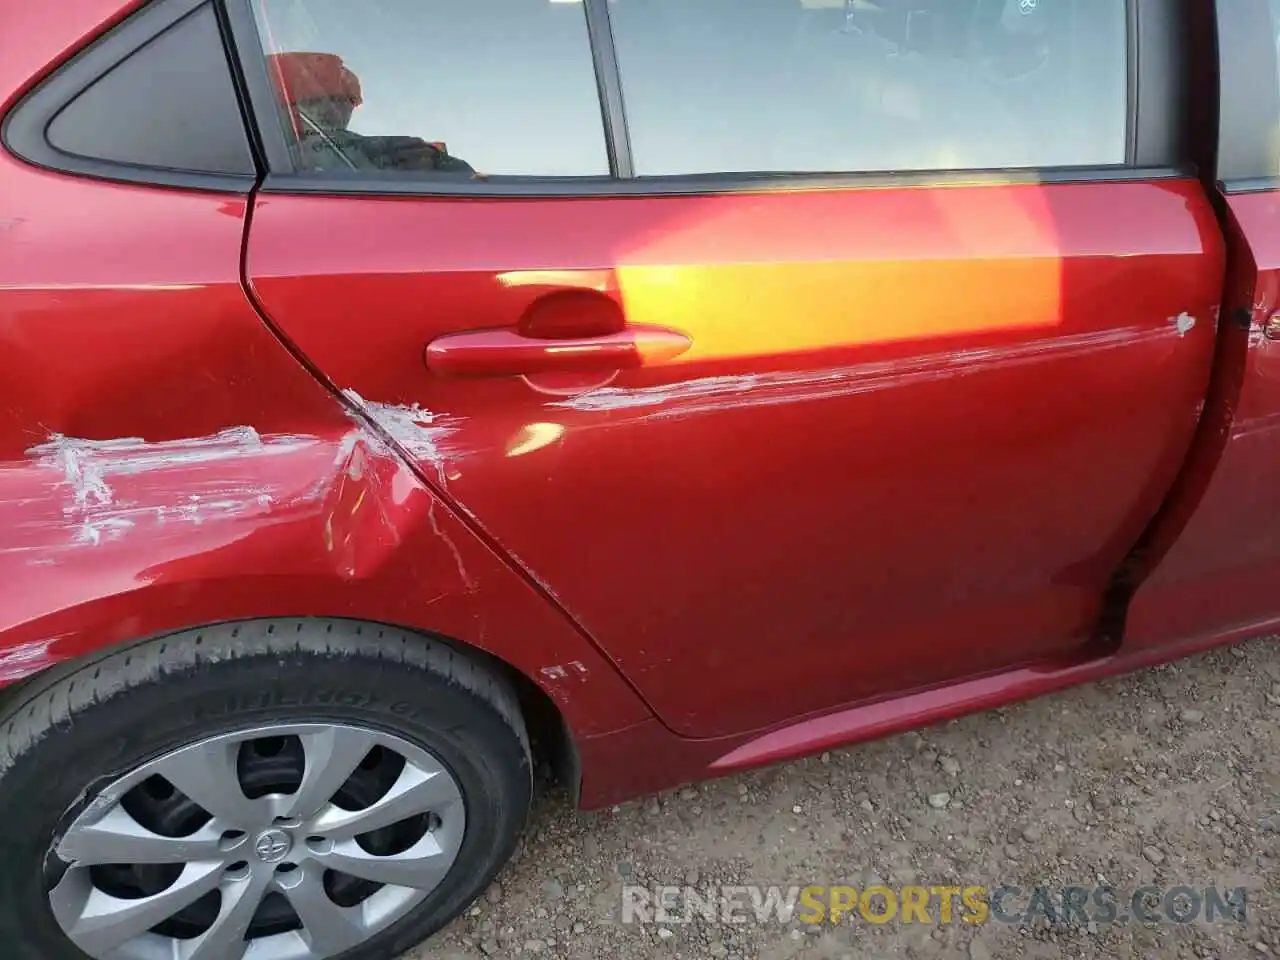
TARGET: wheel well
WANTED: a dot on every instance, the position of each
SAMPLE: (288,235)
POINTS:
(554,752)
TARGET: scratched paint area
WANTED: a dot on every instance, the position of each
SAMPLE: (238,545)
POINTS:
(85,517)
(708,394)
(25,659)
(425,436)
(71,493)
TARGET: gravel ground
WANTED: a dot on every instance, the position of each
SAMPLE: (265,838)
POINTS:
(1170,776)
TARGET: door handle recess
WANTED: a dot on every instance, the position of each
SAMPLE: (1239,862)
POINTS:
(505,351)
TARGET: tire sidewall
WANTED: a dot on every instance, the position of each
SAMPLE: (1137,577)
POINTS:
(60,773)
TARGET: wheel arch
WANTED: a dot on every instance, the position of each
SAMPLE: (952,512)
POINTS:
(552,735)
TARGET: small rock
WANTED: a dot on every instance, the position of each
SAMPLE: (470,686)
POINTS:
(950,766)
(1011,851)
(665,933)
(1267,825)
(1032,833)
(688,793)
(579,928)
(939,801)
(1261,947)
(624,868)
(978,950)
(1081,813)
(494,893)
(719,950)
(1092,927)
(534,946)
(490,947)
(653,807)
(553,889)
(692,877)
(1191,716)
(797,809)
(825,758)
(1059,767)
(1153,854)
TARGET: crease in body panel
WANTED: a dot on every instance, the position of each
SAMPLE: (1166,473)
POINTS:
(427,438)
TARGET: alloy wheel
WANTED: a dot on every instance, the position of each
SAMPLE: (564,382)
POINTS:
(283,842)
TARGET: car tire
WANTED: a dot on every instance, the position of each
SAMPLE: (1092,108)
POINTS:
(73,739)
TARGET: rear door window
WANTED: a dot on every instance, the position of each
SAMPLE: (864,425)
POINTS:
(437,87)
(848,85)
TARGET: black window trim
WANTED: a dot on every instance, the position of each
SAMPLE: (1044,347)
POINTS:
(25,126)
(1248,97)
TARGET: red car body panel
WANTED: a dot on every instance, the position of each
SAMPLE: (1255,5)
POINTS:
(1219,551)
(876,463)
(791,509)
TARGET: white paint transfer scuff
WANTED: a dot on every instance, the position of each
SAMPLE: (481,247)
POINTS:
(707,394)
(425,437)
(1184,323)
(422,434)
(97,507)
(87,465)
(24,659)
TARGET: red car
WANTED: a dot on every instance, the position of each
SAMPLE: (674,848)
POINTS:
(395,393)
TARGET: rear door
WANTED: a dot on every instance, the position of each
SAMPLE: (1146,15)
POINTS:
(643,287)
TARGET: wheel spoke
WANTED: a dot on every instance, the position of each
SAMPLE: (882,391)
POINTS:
(224,940)
(207,774)
(119,838)
(326,927)
(97,922)
(416,791)
(422,866)
(332,755)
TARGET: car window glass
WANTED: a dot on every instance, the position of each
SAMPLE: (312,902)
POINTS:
(171,105)
(494,87)
(872,85)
